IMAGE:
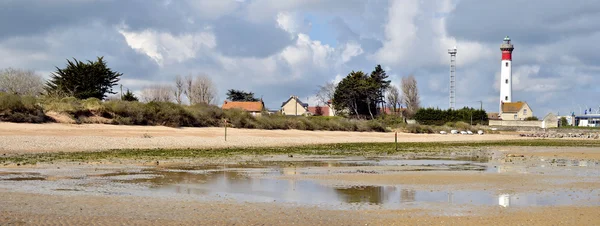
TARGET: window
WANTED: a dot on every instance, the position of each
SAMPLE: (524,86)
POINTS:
(506,98)
(506,81)
(524,111)
(515,117)
(506,64)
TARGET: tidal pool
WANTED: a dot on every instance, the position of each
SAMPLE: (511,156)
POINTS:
(261,181)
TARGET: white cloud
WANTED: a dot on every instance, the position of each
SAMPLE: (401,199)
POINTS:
(307,51)
(292,23)
(351,50)
(164,47)
(413,34)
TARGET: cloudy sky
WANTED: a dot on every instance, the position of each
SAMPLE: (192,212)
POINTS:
(278,48)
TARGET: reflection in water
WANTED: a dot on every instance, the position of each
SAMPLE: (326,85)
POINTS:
(256,182)
(257,185)
(361,194)
(504,200)
(407,195)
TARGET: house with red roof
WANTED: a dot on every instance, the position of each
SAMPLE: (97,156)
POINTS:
(255,108)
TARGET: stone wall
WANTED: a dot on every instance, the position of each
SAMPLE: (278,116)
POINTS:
(515,123)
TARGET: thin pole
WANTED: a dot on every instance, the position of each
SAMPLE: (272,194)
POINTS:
(481,109)
(225,129)
(396,140)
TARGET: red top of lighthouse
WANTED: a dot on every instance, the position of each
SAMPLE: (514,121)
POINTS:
(507,49)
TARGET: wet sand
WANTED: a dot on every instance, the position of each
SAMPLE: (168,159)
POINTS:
(176,193)
(73,194)
(28,209)
(54,137)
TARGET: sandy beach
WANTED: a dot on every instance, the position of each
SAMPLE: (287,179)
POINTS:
(23,138)
(515,186)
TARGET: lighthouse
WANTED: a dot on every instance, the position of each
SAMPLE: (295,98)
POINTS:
(506,72)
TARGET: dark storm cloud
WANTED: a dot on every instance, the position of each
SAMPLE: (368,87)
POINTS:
(237,37)
(31,17)
(534,21)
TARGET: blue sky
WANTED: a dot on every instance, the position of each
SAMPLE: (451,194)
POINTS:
(278,48)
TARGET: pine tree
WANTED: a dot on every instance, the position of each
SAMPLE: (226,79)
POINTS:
(129,96)
(83,80)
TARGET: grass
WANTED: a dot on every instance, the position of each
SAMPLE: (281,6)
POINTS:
(14,108)
(347,149)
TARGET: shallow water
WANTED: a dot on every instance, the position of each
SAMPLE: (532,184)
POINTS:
(259,182)
(241,187)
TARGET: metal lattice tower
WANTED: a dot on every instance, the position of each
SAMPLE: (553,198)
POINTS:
(452,53)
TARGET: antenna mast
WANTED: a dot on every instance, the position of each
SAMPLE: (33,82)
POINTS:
(452,53)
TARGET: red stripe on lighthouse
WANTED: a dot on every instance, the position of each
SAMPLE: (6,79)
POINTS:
(506,55)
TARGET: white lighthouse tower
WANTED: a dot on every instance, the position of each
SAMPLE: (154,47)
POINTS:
(506,72)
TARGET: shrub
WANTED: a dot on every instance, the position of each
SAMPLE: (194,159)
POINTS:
(432,116)
(531,118)
(14,108)
(462,126)
(125,113)
(70,105)
(92,110)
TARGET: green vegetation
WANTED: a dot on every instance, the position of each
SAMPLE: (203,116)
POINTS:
(532,118)
(83,80)
(349,149)
(14,108)
(361,93)
(433,116)
(563,122)
(240,95)
(129,96)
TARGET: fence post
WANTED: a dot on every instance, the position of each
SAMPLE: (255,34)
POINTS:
(225,129)
(396,140)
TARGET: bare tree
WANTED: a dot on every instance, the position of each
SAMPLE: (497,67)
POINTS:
(179,88)
(187,87)
(325,92)
(157,93)
(410,95)
(393,98)
(21,82)
(200,89)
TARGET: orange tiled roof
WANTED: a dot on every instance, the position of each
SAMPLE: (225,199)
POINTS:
(512,107)
(246,106)
(389,110)
(324,110)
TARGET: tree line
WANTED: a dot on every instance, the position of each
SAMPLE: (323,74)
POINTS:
(358,95)
(435,116)
(94,79)
(363,95)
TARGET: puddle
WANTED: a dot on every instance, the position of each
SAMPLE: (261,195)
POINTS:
(241,187)
(251,185)
(257,182)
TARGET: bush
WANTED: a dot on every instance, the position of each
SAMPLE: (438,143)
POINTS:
(14,108)
(432,116)
(532,118)
(462,126)
(70,105)
(92,110)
